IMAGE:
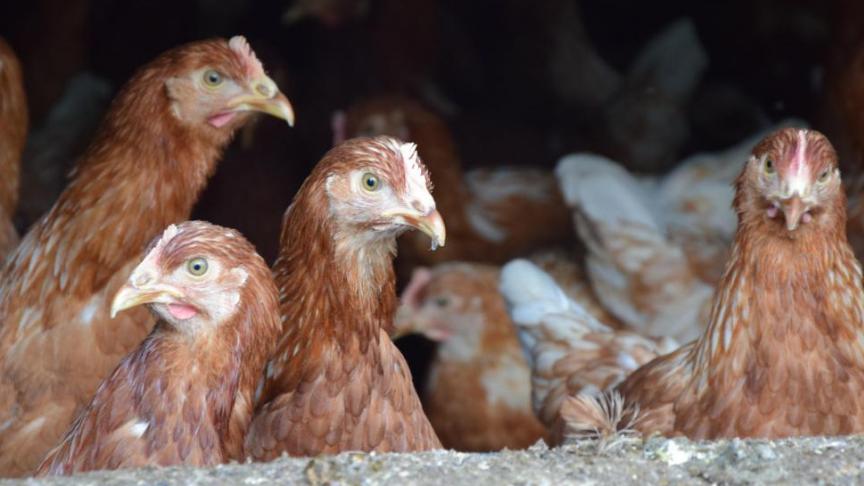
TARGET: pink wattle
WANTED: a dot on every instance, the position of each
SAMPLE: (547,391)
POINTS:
(221,119)
(182,311)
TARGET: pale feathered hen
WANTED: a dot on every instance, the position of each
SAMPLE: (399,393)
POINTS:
(152,156)
(185,395)
(337,382)
(783,353)
(568,349)
(656,246)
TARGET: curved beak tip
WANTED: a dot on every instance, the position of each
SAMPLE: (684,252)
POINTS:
(433,225)
(793,210)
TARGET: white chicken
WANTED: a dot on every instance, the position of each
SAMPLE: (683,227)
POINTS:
(569,351)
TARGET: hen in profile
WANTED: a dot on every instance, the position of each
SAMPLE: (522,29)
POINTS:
(782,355)
(184,396)
(485,209)
(478,392)
(568,349)
(13,135)
(337,381)
(151,157)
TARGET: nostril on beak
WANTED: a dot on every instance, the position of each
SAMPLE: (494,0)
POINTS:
(264,90)
(142,280)
(418,207)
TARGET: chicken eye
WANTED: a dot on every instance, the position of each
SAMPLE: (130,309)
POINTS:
(823,177)
(196,266)
(212,78)
(371,182)
(442,301)
(769,166)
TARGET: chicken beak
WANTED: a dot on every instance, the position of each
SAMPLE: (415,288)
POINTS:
(431,223)
(266,99)
(131,296)
(793,209)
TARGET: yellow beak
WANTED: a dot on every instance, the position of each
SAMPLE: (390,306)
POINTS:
(430,223)
(266,99)
(130,296)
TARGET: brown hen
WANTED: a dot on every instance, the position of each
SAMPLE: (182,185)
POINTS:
(478,393)
(184,396)
(13,135)
(337,381)
(151,158)
(485,209)
(782,355)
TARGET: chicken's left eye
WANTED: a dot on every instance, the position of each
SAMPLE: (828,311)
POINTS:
(212,78)
(197,266)
(824,176)
(371,182)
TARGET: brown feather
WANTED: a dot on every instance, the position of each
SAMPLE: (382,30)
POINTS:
(337,381)
(13,135)
(182,398)
(782,355)
(144,170)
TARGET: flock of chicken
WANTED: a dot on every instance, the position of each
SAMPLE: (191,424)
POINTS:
(578,334)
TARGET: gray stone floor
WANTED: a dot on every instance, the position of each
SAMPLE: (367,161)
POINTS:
(628,461)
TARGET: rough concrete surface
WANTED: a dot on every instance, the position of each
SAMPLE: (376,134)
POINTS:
(627,461)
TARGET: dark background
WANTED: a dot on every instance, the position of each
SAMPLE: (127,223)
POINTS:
(483,64)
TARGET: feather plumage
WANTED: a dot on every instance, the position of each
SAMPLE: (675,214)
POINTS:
(149,161)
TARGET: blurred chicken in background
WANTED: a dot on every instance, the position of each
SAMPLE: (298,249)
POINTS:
(568,350)
(478,392)
(13,134)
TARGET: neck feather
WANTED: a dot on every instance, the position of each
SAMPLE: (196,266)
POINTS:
(143,171)
(336,288)
(777,291)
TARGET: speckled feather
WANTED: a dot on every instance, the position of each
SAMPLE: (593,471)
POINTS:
(569,350)
(337,381)
(143,171)
(181,399)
